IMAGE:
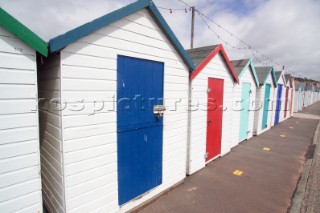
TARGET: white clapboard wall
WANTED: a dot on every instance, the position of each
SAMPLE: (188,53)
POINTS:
(20,184)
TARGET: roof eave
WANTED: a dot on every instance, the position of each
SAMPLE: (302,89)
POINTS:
(59,42)
(218,49)
(250,63)
(174,40)
(274,77)
(22,32)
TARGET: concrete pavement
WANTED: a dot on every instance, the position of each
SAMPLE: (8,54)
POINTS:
(311,200)
(271,164)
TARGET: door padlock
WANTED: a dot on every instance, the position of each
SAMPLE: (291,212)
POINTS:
(158,110)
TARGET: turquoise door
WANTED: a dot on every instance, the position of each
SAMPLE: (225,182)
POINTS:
(244,114)
(266,106)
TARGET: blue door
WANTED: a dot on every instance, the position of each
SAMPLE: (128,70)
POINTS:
(278,107)
(139,130)
(266,106)
(244,114)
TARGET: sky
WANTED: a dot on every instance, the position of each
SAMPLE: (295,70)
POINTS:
(286,31)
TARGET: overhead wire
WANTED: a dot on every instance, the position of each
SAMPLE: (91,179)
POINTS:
(257,55)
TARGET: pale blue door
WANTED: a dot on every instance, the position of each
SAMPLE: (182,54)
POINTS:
(266,106)
(244,114)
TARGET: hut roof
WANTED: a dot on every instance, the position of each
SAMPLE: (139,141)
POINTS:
(241,65)
(263,73)
(61,41)
(202,56)
(199,54)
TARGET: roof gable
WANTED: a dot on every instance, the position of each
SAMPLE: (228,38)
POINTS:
(280,74)
(263,74)
(288,80)
(22,32)
(214,50)
(58,43)
(199,54)
(240,66)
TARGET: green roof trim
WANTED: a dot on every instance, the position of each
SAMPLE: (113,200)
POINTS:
(22,32)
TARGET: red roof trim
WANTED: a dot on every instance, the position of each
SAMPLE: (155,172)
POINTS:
(218,49)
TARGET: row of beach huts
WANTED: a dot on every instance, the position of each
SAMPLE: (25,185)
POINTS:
(113,113)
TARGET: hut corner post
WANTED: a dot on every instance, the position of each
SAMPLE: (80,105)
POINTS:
(189,129)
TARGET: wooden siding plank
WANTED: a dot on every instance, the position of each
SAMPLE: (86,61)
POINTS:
(18,149)
(91,163)
(96,203)
(84,143)
(92,152)
(11,91)
(91,130)
(90,175)
(19,176)
(87,120)
(17,121)
(15,45)
(16,135)
(88,85)
(11,76)
(19,190)
(17,106)
(107,180)
(9,61)
(89,73)
(19,162)
(22,202)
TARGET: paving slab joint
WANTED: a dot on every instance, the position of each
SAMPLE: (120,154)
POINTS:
(299,193)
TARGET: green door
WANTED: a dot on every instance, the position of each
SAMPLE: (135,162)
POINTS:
(266,106)
(244,114)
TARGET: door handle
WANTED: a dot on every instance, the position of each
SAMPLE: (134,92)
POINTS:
(209,122)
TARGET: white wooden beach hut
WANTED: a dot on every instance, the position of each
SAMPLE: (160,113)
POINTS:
(119,134)
(212,86)
(264,99)
(299,95)
(244,100)
(20,182)
(289,98)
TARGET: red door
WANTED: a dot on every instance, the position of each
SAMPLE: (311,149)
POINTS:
(286,103)
(214,118)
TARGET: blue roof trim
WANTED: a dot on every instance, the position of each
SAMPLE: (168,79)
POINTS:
(59,42)
(165,27)
(64,40)
(250,62)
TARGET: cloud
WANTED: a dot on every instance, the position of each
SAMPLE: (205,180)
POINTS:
(286,30)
